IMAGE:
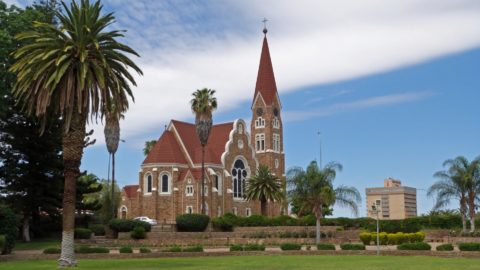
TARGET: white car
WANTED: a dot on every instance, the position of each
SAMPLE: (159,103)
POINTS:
(147,219)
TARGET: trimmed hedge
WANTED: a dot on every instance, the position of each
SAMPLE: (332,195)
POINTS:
(325,246)
(86,250)
(9,228)
(254,247)
(366,238)
(127,225)
(290,246)
(174,249)
(348,246)
(82,233)
(138,233)
(414,246)
(2,242)
(222,224)
(98,229)
(52,250)
(469,246)
(445,247)
(145,250)
(125,250)
(192,222)
(391,238)
(236,248)
(196,248)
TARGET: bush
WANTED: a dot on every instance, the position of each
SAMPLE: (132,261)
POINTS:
(127,225)
(82,233)
(236,248)
(192,222)
(348,246)
(254,247)
(256,220)
(145,250)
(52,250)
(418,237)
(469,246)
(138,233)
(414,246)
(97,229)
(223,224)
(366,238)
(290,246)
(445,247)
(325,246)
(2,242)
(174,248)
(383,237)
(126,250)
(196,248)
(9,228)
(85,250)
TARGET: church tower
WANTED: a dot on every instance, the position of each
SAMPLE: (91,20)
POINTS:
(266,125)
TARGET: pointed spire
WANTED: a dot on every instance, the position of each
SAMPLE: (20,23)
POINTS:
(266,79)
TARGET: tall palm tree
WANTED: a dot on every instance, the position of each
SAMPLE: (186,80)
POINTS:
(461,181)
(148,146)
(264,187)
(203,104)
(312,189)
(73,71)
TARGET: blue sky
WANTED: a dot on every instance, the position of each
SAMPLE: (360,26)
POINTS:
(392,88)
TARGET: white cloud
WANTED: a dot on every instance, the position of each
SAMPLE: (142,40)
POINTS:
(311,43)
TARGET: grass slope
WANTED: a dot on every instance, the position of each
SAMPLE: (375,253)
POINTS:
(265,262)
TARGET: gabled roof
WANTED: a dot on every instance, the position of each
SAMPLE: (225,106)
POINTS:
(196,174)
(266,85)
(131,190)
(166,150)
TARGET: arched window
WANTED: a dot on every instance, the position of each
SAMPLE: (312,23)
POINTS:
(148,183)
(248,212)
(276,123)
(239,174)
(123,211)
(218,184)
(165,183)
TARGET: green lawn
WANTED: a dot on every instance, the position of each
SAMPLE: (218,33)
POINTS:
(37,244)
(274,262)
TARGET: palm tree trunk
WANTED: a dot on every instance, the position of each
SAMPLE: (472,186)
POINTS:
(471,207)
(203,180)
(73,142)
(463,214)
(114,208)
(318,233)
(26,227)
(263,207)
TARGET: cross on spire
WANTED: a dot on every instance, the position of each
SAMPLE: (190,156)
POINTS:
(265,25)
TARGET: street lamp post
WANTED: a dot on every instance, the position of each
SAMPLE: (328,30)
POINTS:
(376,211)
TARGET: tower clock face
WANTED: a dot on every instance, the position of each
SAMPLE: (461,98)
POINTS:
(275,111)
(259,111)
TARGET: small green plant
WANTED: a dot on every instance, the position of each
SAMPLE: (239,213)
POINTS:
(52,250)
(325,246)
(174,248)
(445,247)
(97,229)
(348,246)
(414,246)
(236,248)
(197,248)
(308,247)
(469,246)
(290,246)
(222,224)
(138,233)
(366,238)
(192,222)
(125,250)
(82,233)
(145,250)
(86,250)
(2,242)
(254,247)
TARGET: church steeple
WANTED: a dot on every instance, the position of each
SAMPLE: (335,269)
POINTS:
(265,85)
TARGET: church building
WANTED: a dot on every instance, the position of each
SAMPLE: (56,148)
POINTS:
(169,181)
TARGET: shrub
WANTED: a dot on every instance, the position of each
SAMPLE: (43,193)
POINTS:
(126,250)
(145,250)
(174,248)
(127,225)
(418,237)
(290,246)
(85,250)
(414,246)
(348,246)
(236,248)
(52,250)
(222,224)
(82,233)
(138,233)
(2,242)
(196,248)
(256,220)
(445,247)
(366,238)
(383,237)
(9,228)
(254,247)
(325,246)
(192,222)
(98,229)
(469,246)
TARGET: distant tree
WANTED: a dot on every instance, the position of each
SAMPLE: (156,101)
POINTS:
(203,104)
(105,197)
(313,189)
(148,146)
(87,201)
(264,187)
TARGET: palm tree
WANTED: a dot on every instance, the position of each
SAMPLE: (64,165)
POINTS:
(148,146)
(264,187)
(73,71)
(203,104)
(312,189)
(461,181)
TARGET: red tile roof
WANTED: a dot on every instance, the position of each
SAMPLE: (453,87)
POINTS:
(266,79)
(196,173)
(166,150)
(131,191)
